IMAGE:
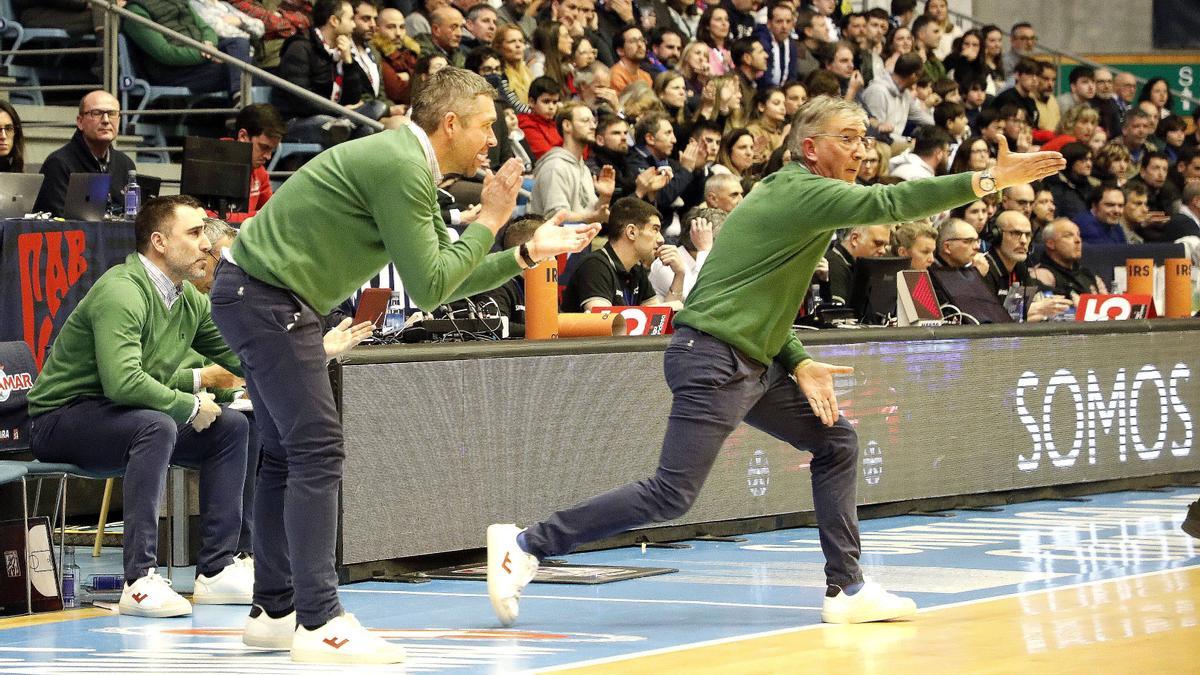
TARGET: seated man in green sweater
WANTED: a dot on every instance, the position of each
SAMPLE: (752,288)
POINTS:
(107,399)
(734,358)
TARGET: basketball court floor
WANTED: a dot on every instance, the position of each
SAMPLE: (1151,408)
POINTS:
(1106,584)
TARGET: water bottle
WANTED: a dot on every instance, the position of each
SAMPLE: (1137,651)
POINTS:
(1014,303)
(133,196)
(393,318)
(814,299)
(70,579)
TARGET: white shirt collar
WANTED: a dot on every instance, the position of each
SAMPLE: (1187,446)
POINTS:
(427,147)
(1190,214)
(167,290)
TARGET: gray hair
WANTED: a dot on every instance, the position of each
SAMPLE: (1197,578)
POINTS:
(1050,229)
(949,230)
(588,75)
(449,90)
(814,117)
(216,230)
(906,234)
(719,180)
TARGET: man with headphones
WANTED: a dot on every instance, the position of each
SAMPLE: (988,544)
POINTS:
(1011,236)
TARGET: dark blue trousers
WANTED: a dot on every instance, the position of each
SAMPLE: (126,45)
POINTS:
(279,340)
(715,388)
(99,435)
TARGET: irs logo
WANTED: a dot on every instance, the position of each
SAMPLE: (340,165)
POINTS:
(873,463)
(758,475)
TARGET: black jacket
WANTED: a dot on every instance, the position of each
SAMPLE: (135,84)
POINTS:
(305,63)
(75,157)
(684,184)
(619,161)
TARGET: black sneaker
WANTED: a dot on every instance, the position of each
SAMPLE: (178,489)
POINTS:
(1191,524)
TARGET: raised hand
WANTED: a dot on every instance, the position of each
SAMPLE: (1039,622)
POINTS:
(553,238)
(499,195)
(702,234)
(1015,168)
(606,183)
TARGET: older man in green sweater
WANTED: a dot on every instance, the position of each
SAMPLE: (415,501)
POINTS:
(734,358)
(331,227)
(109,399)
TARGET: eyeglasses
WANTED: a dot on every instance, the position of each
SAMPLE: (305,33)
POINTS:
(1019,234)
(969,240)
(113,115)
(214,256)
(8,130)
(867,142)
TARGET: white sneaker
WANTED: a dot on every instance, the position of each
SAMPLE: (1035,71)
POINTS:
(263,631)
(509,569)
(343,640)
(233,585)
(153,597)
(870,603)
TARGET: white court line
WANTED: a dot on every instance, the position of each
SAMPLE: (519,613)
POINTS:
(589,599)
(45,649)
(799,629)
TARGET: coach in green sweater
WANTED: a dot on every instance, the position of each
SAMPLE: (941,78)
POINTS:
(333,225)
(107,400)
(734,358)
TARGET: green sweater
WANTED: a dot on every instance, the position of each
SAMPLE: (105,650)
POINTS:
(353,209)
(176,15)
(761,265)
(121,343)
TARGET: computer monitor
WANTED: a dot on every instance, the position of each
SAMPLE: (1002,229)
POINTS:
(964,289)
(217,173)
(873,294)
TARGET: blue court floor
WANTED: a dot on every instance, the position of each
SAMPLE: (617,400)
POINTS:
(771,582)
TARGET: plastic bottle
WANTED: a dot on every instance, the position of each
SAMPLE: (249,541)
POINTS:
(133,196)
(1014,303)
(70,579)
(814,299)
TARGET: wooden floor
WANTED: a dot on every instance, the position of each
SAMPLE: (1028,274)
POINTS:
(1143,624)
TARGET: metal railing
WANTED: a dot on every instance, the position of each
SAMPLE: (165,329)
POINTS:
(1060,55)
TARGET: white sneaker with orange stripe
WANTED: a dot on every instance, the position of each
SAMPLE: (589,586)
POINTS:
(343,640)
(509,570)
(152,596)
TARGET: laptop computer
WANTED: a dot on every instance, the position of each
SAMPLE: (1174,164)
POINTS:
(18,192)
(87,196)
(966,291)
(372,305)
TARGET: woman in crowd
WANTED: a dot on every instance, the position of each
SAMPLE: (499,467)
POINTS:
(899,41)
(552,44)
(510,44)
(974,214)
(874,164)
(973,155)
(1113,162)
(737,157)
(1078,124)
(583,53)
(939,11)
(487,62)
(696,69)
(1158,92)
(12,142)
(965,62)
(1072,187)
(1099,140)
(1171,132)
(721,102)
(993,58)
(672,94)
(768,121)
(714,31)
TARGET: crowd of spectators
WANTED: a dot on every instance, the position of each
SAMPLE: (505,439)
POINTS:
(686,107)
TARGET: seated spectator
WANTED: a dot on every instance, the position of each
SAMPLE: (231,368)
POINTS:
(927,158)
(1077,125)
(261,127)
(952,118)
(552,53)
(889,99)
(927,36)
(723,192)
(612,149)
(228,21)
(1018,198)
(1157,92)
(1059,270)
(958,248)
(990,126)
(784,51)
(1072,188)
(715,31)
(592,89)
(562,180)
(510,44)
(672,94)
(107,400)
(1099,140)
(618,274)
(838,58)
(1082,81)
(480,23)
(696,236)
(795,94)
(419,15)
(1112,162)
(1008,256)
(166,63)
(859,242)
(916,241)
(750,60)
(973,154)
(90,150)
(287,18)
(12,143)
(366,59)
(873,165)
(1043,210)
(974,214)
(721,103)
(655,140)
(1186,223)
(1049,114)
(541,130)
(398,53)
(1136,131)
(1170,134)
(630,48)
(1187,169)
(1162,193)
(1102,224)
(445,36)
(737,157)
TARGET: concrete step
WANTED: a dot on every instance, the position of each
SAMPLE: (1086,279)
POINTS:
(41,141)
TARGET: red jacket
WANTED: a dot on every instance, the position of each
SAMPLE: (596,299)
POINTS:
(540,134)
(260,192)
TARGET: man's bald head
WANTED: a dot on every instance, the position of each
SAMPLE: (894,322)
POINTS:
(445,28)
